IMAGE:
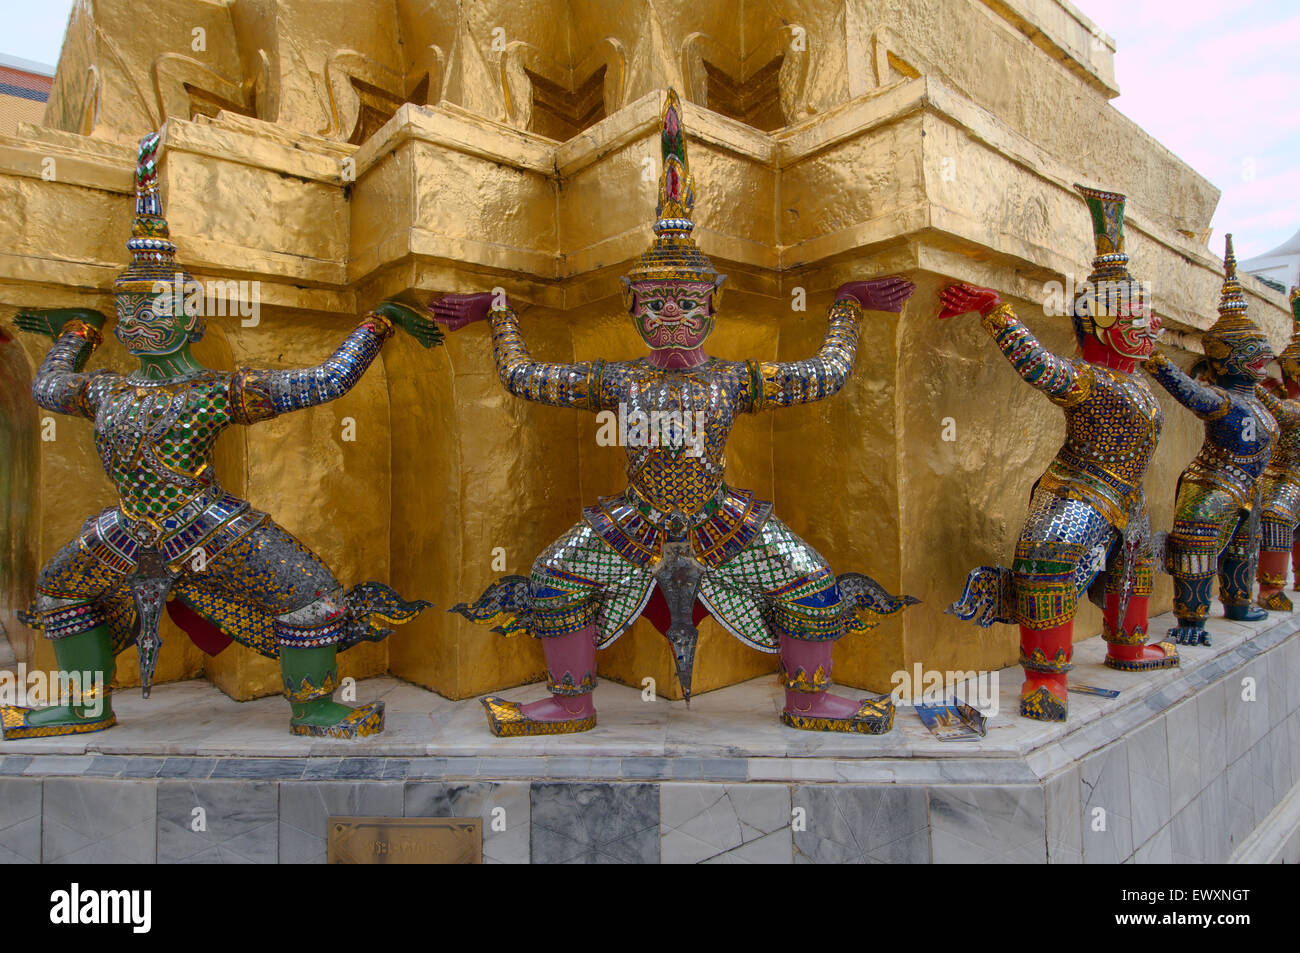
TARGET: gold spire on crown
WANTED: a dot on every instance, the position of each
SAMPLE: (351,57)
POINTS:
(1233,325)
(153,254)
(673,253)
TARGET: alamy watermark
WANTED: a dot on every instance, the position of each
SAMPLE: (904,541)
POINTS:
(207,299)
(33,689)
(78,906)
(652,428)
(1096,298)
(922,686)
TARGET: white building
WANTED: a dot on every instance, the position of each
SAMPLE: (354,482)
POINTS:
(1279,267)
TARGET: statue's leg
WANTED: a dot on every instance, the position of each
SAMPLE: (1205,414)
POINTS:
(568,584)
(571,678)
(809,704)
(1295,561)
(1126,639)
(310,677)
(272,573)
(802,604)
(71,613)
(1061,548)
(1237,575)
(1277,524)
(1203,523)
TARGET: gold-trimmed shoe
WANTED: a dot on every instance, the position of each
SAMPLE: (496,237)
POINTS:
(1277,602)
(1170,660)
(874,716)
(1042,705)
(364,720)
(14,722)
(506,719)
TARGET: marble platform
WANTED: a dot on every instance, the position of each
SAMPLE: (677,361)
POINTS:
(1196,764)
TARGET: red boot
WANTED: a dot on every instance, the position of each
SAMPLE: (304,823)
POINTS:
(1295,563)
(1045,656)
(1126,644)
(806,677)
(571,677)
(1272,580)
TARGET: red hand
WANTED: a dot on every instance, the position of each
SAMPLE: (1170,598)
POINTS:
(878,294)
(454,311)
(961,298)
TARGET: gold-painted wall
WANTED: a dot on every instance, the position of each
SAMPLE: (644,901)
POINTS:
(394,149)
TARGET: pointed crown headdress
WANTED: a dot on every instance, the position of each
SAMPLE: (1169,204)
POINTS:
(1233,326)
(153,254)
(673,253)
(1110,275)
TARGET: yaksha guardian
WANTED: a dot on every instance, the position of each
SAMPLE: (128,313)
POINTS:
(1087,513)
(1217,502)
(679,532)
(1280,486)
(230,571)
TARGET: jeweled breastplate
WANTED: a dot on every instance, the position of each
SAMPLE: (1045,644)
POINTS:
(1110,438)
(1238,446)
(1116,429)
(155,442)
(677,424)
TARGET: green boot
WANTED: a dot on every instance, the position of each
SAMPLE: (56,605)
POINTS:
(88,653)
(310,677)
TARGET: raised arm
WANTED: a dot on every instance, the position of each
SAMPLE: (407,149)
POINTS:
(561,385)
(783,384)
(60,385)
(1059,378)
(801,382)
(257,394)
(1285,412)
(1201,399)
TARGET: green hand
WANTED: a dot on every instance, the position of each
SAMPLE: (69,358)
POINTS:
(412,322)
(50,321)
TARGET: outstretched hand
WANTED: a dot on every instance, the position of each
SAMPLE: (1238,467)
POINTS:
(961,298)
(412,322)
(50,321)
(454,311)
(878,294)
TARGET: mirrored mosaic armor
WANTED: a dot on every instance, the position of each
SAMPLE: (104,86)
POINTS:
(1217,508)
(1088,529)
(680,532)
(176,539)
(1279,512)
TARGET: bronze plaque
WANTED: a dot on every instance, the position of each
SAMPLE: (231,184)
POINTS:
(405,840)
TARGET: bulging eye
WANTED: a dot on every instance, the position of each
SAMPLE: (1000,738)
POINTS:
(656,305)
(686,304)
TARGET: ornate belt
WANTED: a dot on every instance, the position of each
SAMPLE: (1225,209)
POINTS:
(211,522)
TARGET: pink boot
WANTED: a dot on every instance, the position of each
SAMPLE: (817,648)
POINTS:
(571,677)
(806,677)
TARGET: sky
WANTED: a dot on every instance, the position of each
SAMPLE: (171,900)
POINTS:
(1217,82)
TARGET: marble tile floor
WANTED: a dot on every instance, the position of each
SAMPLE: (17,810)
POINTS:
(1194,765)
(191,729)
